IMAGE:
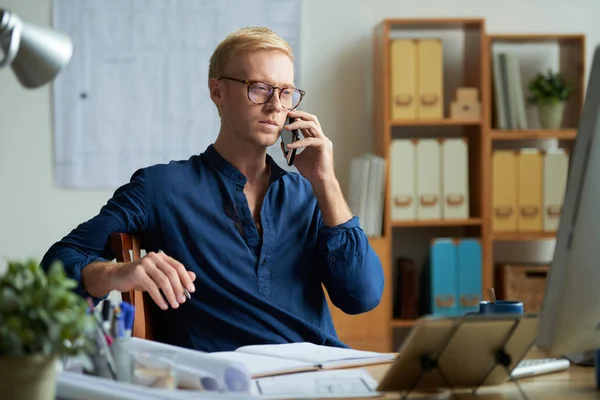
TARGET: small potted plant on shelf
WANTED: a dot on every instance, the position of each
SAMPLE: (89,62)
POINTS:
(549,92)
(41,320)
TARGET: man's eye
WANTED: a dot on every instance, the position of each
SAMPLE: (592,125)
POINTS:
(260,87)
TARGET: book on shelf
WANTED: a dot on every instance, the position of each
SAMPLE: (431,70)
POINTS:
(367,189)
(509,97)
(276,359)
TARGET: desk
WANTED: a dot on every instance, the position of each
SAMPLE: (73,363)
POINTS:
(574,383)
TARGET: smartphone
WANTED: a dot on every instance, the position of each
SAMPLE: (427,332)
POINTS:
(288,137)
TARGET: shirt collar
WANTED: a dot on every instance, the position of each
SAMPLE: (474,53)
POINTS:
(214,159)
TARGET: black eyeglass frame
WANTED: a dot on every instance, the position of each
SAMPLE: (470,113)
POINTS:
(249,83)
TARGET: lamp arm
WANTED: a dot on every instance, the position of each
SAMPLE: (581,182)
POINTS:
(10,30)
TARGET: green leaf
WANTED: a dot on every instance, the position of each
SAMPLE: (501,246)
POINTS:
(41,313)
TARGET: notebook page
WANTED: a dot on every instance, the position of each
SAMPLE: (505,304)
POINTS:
(318,355)
(260,366)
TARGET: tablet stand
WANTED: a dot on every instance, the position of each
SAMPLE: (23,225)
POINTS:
(501,358)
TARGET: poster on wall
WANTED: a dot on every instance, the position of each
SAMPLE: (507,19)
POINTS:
(136,91)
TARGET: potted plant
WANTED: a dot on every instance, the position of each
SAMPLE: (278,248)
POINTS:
(549,92)
(41,320)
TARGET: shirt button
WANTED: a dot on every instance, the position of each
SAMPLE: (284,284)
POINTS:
(264,262)
(239,189)
(332,258)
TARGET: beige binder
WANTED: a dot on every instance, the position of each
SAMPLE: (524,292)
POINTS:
(403,70)
(428,179)
(504,191)
(530,218)
(455,178)
(402,174)
(556,165)
(430,78)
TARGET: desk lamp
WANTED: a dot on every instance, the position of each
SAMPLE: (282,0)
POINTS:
(36,54)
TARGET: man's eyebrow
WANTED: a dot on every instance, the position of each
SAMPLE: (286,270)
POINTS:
(284,85)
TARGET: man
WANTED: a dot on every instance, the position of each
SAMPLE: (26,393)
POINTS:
(252,243)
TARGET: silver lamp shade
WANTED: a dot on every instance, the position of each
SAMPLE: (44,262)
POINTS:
(36,54)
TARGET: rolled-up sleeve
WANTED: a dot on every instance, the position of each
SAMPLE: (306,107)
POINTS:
(126,212)
(352,271)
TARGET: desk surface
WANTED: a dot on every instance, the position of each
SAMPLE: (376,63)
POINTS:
(574,383)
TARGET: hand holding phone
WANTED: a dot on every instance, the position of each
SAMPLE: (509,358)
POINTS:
(289,137)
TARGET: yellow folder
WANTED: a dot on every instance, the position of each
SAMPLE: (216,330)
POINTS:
(430,78)
(556,166)
(530,192)
(504,191)
(404,79)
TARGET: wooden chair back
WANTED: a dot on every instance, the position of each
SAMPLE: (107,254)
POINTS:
(127,249)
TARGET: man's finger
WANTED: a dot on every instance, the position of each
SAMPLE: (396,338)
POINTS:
(306,142)
(192,277)
(164,283)
(172,273)
(304,115)
(308,128)
(186,281)
(148,285)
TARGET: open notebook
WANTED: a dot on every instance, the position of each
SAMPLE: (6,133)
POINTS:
(275,359)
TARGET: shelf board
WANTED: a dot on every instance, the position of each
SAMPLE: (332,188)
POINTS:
(569,134)
(437,222)
(434,122)
(435,23)
(522,236)
(520,38)
(403,323)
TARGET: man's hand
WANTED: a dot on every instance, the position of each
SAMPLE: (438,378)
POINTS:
(152,273)
(315,163)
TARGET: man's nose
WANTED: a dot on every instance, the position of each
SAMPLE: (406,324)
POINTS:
(275,102)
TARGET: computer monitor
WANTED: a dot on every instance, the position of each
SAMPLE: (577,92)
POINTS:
(570,317)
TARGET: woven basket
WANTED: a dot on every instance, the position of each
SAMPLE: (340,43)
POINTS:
(526,283)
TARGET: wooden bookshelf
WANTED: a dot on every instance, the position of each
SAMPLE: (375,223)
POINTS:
(473,73)
(373,330)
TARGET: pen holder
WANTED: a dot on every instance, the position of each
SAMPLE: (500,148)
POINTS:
(122,358)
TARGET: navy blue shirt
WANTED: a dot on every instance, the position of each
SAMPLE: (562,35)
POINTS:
(248,290)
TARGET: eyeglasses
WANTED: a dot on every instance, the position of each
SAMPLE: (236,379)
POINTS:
(262,92)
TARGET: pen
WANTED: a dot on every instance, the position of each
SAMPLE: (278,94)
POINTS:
(115,322)
(104,352)
(106,309)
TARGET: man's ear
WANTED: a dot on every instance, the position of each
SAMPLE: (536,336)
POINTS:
(215,90)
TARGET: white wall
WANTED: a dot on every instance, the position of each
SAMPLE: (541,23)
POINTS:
(335,68)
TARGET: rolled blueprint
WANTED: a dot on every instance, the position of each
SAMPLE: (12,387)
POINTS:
(198,370)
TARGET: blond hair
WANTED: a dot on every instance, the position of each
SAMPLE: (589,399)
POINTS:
(246,40)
